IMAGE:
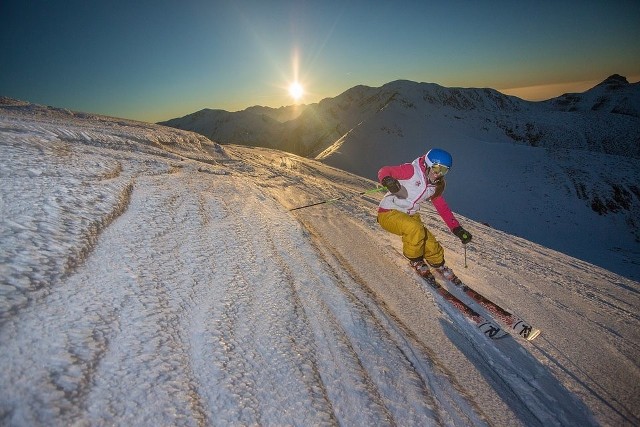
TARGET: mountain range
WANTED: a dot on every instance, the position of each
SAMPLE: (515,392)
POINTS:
(602,119)
(568,166)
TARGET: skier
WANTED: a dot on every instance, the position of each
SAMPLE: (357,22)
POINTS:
(409,185)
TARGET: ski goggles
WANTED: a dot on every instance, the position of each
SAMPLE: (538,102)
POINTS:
(439,169)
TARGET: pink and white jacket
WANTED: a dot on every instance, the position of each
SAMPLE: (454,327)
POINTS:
(413,177)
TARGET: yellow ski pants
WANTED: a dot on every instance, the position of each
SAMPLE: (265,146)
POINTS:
(417,241)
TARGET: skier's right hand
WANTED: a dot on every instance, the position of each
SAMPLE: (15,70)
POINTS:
(391,183)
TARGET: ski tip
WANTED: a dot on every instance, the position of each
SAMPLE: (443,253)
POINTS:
(533,334)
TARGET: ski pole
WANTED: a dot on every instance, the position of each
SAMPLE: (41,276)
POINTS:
(465,255)
(374,190)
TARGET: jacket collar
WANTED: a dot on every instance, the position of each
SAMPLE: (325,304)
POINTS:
(423,164)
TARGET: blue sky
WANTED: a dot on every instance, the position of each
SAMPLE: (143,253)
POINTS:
(155,60)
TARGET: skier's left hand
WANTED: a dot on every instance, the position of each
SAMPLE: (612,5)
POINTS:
(462,234)
(392,184)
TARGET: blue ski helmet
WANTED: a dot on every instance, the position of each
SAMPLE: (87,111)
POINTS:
(437,156)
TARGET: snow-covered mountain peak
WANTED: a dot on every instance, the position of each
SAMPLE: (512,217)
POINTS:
(614,81)
(613,95)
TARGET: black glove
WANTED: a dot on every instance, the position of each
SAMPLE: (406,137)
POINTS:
(462,234)
(391,183)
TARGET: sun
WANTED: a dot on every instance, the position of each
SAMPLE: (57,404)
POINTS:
(296,91)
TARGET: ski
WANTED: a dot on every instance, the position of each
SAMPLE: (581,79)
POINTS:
(522,328)
(487,327)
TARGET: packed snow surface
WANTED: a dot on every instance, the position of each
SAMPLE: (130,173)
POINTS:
(151,277)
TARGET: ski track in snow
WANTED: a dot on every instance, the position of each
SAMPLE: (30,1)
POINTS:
(143,288)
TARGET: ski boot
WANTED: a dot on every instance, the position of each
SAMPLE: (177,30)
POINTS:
(448,274)
(421,268)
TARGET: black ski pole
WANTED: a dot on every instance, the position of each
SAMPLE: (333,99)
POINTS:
(375,190)
(465,256)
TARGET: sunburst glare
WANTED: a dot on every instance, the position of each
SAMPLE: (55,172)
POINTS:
(296,91)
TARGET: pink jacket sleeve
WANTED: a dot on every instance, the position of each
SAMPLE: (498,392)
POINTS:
(445,213)
(404,171)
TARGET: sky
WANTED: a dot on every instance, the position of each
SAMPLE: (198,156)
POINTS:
(156,60)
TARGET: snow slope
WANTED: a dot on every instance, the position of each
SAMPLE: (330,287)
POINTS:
(563,173)
(150,277)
